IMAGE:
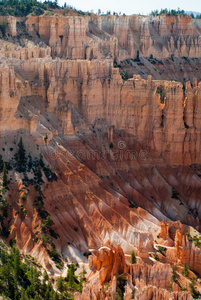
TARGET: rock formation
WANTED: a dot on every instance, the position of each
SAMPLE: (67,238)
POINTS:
(151,292)
(187,252)
(124,154)
(144,280)
(97,37)
(119,104)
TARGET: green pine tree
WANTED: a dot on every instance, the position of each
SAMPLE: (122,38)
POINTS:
(174,274)
(21,157)
(5,178)
(133,257)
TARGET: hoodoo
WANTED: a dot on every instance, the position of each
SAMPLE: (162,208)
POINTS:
(100,161)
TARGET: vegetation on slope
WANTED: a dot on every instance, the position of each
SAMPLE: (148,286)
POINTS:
(21,8)
(21,278)
(25,7)
(33,171)
(195,239)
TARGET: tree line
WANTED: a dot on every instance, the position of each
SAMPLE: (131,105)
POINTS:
(25,7)
(170,12)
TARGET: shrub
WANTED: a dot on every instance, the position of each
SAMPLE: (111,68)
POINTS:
(115,65)
(133,257)
(23,198)
(132,204)
(160,90)
(23,211)
(48,222)
(124,75)
(45,138)
(175,194)
(156,256)
(162,250)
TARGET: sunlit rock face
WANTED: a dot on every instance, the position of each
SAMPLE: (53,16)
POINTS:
(126,154)
(98,37)
(142,279)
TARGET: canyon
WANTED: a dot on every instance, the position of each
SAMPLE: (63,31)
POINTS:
(115,163)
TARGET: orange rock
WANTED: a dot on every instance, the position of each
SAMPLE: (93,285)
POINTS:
(142,252)
(186,251)
(151,292)
(164,230)
(80,37)
(107,140)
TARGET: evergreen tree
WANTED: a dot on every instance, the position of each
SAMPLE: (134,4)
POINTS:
(82,278)
(5,178)
(3,27)
(71,278)
(39,173)
(133,257)
(121,282)
(193,289)
(61,284)
(21,280)
(186,269)
(174,274)
(30,162)
(1,164)
(24,295)
(16,261)
(21,157)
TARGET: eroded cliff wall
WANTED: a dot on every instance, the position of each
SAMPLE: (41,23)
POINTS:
(97,91)
(119,37)
(119,149)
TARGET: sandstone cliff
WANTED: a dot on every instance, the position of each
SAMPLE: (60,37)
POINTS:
(142,280)
(119,37)
(96,90)
(125,154)
(60,98)
(94,36)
